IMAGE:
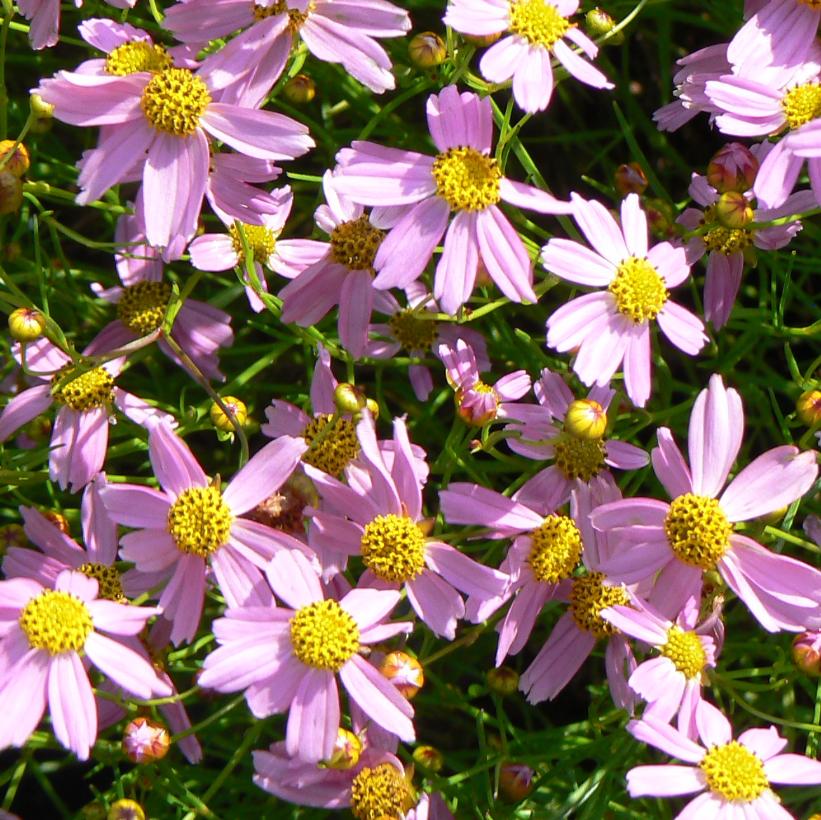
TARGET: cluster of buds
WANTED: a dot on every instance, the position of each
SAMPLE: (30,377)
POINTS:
(14,162)
(351,400)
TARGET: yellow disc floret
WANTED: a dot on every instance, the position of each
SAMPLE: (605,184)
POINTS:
(589,596)
(296,18)
(467,179)
(354,243)
(577,457)
(802,104)
(411,332)
(734,772)
(174,100)
(639,290)
(556,549)
(686,652)
(332,443)
(56,621)
(324,635)
(199,521)
(261,242)
(88,391)
(727,240)
(129,58)
(142,306)
(698,530)
(393,548)
(538,21)
(108,578)
(381,793)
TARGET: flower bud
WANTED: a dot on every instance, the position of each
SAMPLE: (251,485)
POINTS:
(629,178)
(221,421)
(427,757)
(299,90)
(585,419)
(483,40)
(26,324)
(806,653)
(284,509)
(515,781)
(16,163)
(58,519)
(503,680)
(40,108)
(660,217)
(598,23)
(145,741)
(11,193)
(373,407)
(808,407)
(427,50)
(404,672)
(125,810)
(347,749)
(733,210)
(732,168)
(349,398)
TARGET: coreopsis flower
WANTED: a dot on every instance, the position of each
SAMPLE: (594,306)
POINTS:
(462,179)
(694,533)
(476,402)
(571,433)
(537,31)
(732,777)
(86,396)
(45,19)
(378,515)
(287,659)
(614,326)
(46,635)
(193,523)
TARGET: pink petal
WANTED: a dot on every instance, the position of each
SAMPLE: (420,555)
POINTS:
(600,229)
(125,667)
(666,738)
(664,781)
(669,465)
(504,255)
(71,704)
(436,602)
(135,506)
(456,271)
(293,579)
(174,464)
(313,722)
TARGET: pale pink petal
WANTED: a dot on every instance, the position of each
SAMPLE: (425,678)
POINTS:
(24,698)
(464,573)
(174,464)
(669,465)
(570,324)
(135,506)
(576,263)
(463,503)
(664,781)
(667,739)
(600,229)
(637,365)
(634,225)
(125,667)
(456,271)
(24,407)
(682,328)
(355,307)
(765,743)
(313,721)
(71,704)
(293,579)
(533,79)
(504,255)
(793,770)
(578,67)
(436,602)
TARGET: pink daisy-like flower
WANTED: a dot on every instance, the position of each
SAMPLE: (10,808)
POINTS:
(378,515)
(614,326)
(45,635)
(85,395)
(193,523)
(463,179)
(571,432)
(538,29)
(694,533)
(288,659)
(733,777)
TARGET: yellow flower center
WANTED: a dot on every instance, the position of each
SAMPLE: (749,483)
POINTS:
(538,21)
(802,104)
(556,549)
(199,521)
(639,290)
(579,457)
(381,793)
(332,443)
(296,19)
(110,586)
(686,652)
(354,243)
(734,772)
(56,621)
(88,391)
(393,548)
(411,332)
(813,4)
(129,58)
(727,240)
(261,242)
(142,306)
(698,530)
(324,636)
(589,597)
(467,179)
(174,100)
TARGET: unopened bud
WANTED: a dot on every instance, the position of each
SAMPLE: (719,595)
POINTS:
(125,810)
(145,740)
(503,680)
(404,672)
(40,108)
(733,210)
(299,90)
(373,407)
(26,324)
(11,193)
(428,757)
(58,519)
(660,217)
(221,421)
(483,40)
(427,50)
(808,407)
(629,178)
(585,419)
(349,398)
(806,653)
(598,23)
(478,406)
(347,749)
(515,781)
(13,159)
(732,168)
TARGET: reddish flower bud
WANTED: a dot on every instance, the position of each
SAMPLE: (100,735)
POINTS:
(806,653)
(732,168)
(515,781)
(630,179)
(503,680)
(733,210)
(145,740)
(404,672)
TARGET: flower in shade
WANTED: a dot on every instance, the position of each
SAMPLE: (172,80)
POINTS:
(694,533)
(614,325)
(537,31)
(378,515)
(45,637)
(731,777)
(287,659)
(192,523)
(463,179)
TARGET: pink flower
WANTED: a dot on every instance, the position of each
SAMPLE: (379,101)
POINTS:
(463,178)
(288,659)
(537,32)
(695,533)
(733,777)
(45,19)
(44,637)
(614,326)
